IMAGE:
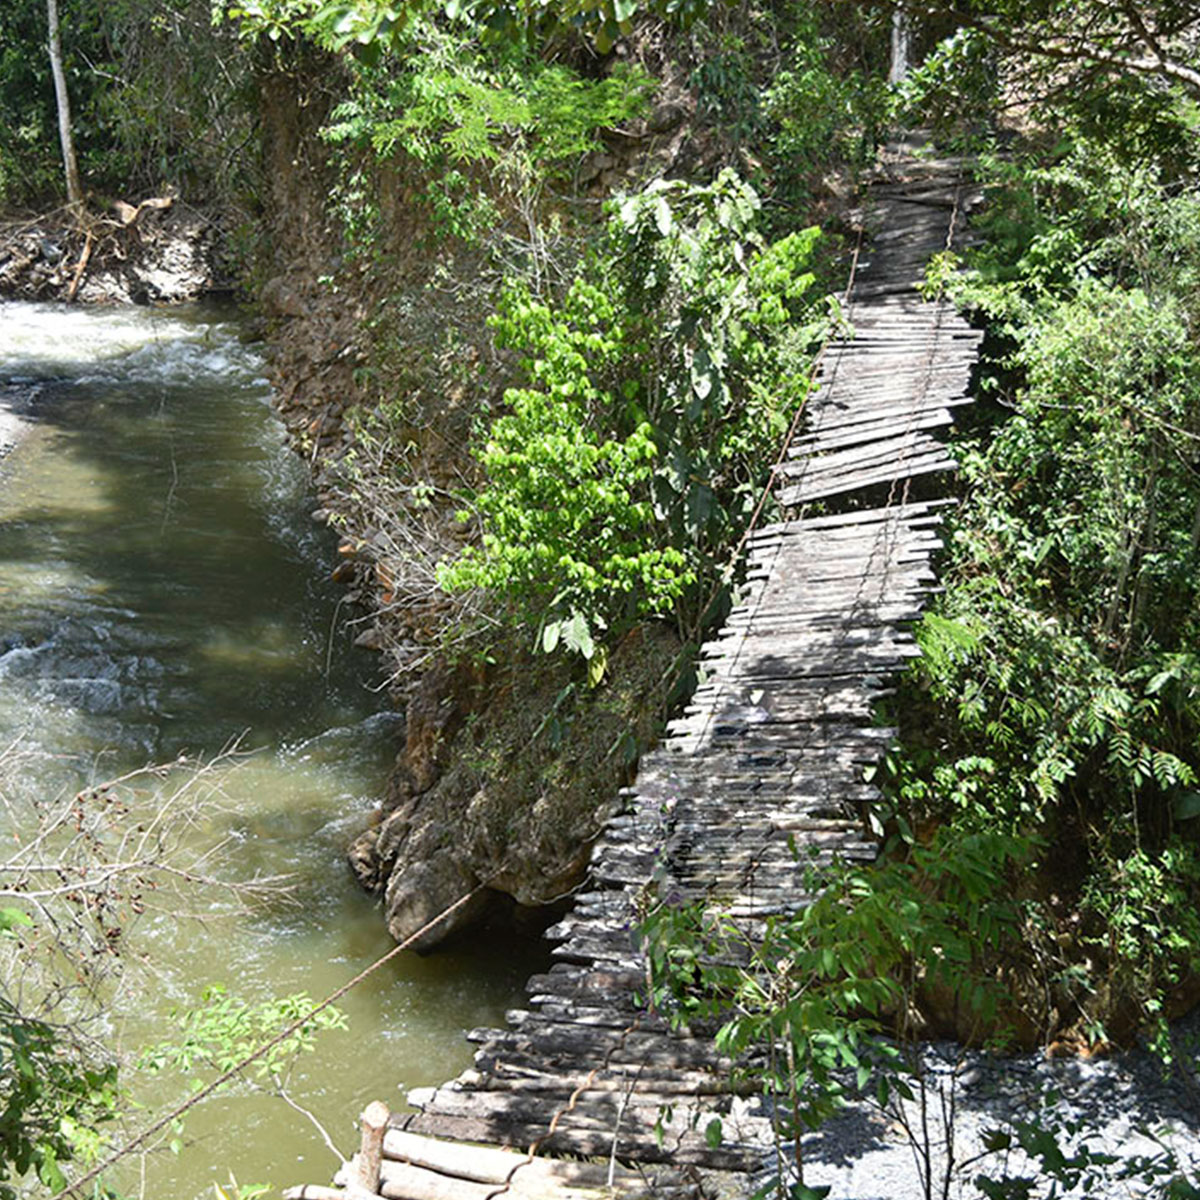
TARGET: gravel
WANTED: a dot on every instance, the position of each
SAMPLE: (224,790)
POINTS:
(1126,1106)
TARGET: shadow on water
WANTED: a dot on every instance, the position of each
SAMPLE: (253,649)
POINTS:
(167,585)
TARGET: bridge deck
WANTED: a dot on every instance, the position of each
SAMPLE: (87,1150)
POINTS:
(769,754)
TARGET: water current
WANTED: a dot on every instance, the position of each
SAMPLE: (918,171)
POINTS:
(163,589)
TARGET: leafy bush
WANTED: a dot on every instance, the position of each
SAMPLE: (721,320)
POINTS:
(821,117)
(817,1008)
(52,1099)
(158,94)
(655,389)
(479,124)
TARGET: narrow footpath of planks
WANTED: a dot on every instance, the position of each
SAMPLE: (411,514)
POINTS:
(768,755)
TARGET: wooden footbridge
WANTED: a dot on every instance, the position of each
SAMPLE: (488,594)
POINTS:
(769,754)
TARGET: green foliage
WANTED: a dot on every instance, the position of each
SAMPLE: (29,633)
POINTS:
(955,85)
(485,124)
(656,386)
(241,1191)
(51,1100)
(1053,1149)
(822,115)
(1059,690)
(1124,75)
(809,1007)
(222,1030)
(158,95)
(369,27)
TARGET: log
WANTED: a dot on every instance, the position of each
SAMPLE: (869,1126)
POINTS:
(402,1181)
(81,266)
(492,1165)
(374,1122)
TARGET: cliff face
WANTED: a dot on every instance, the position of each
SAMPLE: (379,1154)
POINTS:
(382,361)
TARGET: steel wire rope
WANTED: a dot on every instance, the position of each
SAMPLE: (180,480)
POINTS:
(756,854)
(134,1144)
(766,491)
(577,1092)
(883,544)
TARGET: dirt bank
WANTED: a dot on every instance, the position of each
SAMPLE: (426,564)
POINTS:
(157,250)
(383,363)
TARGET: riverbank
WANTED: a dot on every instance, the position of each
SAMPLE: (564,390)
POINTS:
(158,250)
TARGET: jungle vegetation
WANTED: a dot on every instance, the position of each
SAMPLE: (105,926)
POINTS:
(1042,815)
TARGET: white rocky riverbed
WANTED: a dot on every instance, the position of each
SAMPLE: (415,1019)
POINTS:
(1125,1106)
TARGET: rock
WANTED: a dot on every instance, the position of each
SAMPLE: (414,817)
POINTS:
(364,859)
(371,638)
(667,115)
(416,898)
(434,715)
(593,165)
(283,297)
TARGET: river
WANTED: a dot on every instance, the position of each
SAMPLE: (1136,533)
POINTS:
(163,589)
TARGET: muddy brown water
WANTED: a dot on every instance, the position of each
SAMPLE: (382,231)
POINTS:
(163,589)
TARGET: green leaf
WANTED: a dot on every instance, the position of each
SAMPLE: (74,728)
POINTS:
(597,665)
(662,216)
(11,917)
(713,1134)
(578,636)
(996,1140)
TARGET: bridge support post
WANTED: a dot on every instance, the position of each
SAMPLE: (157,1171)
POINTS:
(370,1154)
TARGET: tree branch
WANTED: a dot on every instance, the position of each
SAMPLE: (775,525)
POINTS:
(1063,48)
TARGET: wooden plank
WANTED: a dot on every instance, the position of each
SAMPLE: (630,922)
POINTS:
(406,1181)
(820,489)
(869,430)
(853,460)
(490,1165)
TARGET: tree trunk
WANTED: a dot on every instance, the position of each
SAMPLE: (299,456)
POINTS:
(898,68)
(65,136)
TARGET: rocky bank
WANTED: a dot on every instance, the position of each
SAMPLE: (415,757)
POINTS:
(509,764)
(159,250)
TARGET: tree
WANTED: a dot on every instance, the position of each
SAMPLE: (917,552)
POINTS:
(1062,44)
(63,100)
